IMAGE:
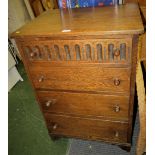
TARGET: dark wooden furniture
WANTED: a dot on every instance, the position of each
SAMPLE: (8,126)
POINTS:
(39,6)
(143,49)
(140,78)
(82,65)
(140,2)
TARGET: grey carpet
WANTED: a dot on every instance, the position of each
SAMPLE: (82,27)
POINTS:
(82,147)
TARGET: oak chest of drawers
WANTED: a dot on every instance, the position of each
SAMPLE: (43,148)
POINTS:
(82,66)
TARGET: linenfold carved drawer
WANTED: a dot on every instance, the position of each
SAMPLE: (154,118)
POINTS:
(82,66)
(98,50)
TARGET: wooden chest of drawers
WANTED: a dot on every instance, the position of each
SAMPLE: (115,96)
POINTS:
(82,65)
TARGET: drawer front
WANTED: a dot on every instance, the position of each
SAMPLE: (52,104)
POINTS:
(117,51)
(82,78)
(86,128)
(108,106)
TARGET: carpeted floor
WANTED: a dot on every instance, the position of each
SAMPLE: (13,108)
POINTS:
(27,131)
(28,134)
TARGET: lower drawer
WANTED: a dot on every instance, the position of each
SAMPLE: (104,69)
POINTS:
(95,129)
(109,106)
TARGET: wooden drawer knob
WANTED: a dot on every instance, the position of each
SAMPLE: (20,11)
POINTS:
(117,52)
(116,82)
(41,79)
(50,102)
(116,108)
(116,134)
(54,126)
(32,54)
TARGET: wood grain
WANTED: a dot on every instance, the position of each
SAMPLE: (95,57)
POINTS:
(37,7)
(111,107)
(132,86)
(88,128)
(84,89)
(85,21)
(66,50)
(82,79)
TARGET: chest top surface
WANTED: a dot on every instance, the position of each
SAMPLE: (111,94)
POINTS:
(110,20)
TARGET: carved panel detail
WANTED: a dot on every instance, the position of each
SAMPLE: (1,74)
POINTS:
(101,50)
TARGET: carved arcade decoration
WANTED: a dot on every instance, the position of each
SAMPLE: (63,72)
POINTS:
(79,50)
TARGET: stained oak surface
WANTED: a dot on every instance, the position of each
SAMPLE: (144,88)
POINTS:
(82,78)
(143,9)
(85,21)
(85,104)
(87,128)
(117,51)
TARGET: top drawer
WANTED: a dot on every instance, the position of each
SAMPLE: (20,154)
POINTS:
(111,51)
